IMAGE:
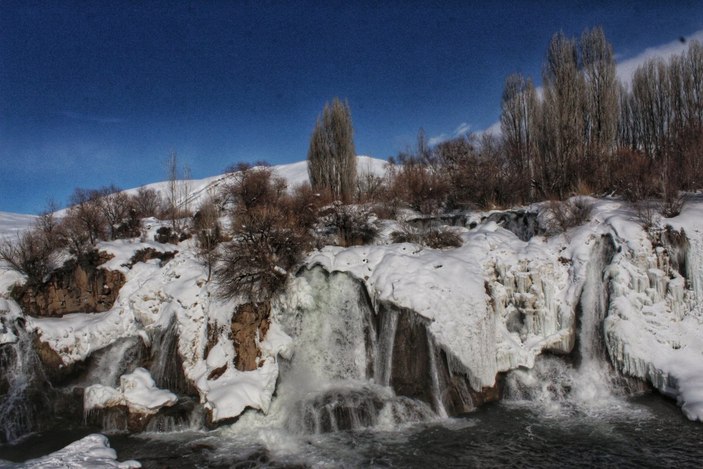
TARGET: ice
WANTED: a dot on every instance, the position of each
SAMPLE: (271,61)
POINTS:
(137,391)
(92,451)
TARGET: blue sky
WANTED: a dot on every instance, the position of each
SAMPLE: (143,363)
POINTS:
(94,93)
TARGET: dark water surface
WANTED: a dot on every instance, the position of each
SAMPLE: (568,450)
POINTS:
(646,432)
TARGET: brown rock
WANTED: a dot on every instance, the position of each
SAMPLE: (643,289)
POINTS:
(248,320)
(79,286)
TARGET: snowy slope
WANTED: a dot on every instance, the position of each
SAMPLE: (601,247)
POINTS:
(295,174)
(12,224)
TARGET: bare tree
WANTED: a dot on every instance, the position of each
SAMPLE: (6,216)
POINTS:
(29,254)
(173,192)
(331,155)
(563,124)
(518,126)
(601,102)
(146,202)
(86,215)
(115,206)
(207,233)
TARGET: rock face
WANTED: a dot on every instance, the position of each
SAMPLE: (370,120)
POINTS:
(79,286)
(250,321)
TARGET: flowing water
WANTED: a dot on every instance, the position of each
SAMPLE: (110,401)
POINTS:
(640,432)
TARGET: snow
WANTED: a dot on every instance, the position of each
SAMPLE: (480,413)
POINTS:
(92,451)
(655,327)
(12,224)
(137,391)
(493,305)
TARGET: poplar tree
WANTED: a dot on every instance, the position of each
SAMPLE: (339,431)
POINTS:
(331,155)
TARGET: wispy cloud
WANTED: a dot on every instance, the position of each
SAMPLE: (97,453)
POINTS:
(80,116)
(463,129)
(626,68)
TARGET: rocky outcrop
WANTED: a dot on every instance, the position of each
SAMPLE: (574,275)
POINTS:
(79,286)
(249,323)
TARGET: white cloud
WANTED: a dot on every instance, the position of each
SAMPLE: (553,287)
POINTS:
(463,129)
(626,68)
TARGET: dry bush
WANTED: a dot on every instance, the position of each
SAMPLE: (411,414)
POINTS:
(118,213)
(267,243)
(348,225)
(568,214)
(146,202)
(436,237)
(647,212)
(305,204)
(268,235)
(208,234)
(254,186)
(30,254)
(86,216)
(633,176)
(672,204)
(369,187)
(415,184)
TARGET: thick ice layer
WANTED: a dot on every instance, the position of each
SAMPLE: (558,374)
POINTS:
(93,451)
(655,326)
(137,391)
(451,288)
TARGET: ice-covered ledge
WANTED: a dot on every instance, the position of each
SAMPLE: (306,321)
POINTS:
(137,392)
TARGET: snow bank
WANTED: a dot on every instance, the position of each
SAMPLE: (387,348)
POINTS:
(655,327)
(12,224)
(137,391)
(93,451)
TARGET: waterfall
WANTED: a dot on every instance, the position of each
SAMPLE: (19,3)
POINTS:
(384,351)
(166,363)
(119,358)
(24,399)
(342,370)
(587,381)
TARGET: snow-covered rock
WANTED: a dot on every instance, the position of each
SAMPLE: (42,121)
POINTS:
(137,392)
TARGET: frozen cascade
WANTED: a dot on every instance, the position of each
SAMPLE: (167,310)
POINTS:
(588,383)
(166,363)
(23,386)
(384,353)
(338,376)
(115,360)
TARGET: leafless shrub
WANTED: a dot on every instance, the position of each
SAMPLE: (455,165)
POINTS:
(267,243)
(207,233)
(414,183)
(647,212)
(568,214)
(672,204)
(268,235)
(29,254)
(254,186)
(436,236)
(146,202)
(350,224)
(116,209)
